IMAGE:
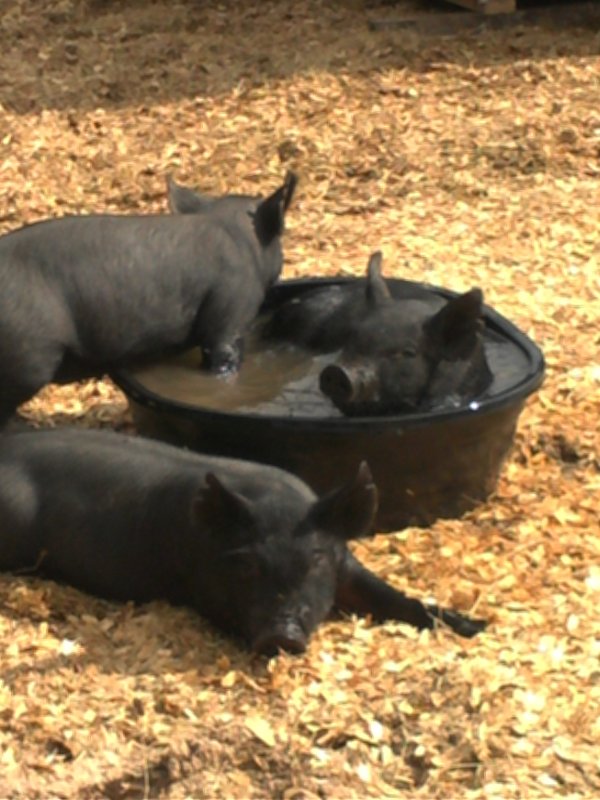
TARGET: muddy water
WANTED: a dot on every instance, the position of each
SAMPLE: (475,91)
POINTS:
(281,380)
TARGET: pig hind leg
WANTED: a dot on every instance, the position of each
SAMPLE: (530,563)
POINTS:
(223,358)
(19,545)
(23,372)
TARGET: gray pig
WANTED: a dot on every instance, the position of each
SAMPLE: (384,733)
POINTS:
(248,546)
(83,294)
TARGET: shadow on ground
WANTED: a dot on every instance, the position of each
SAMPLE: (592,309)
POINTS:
(86,54)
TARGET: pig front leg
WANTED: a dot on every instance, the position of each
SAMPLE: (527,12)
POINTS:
(361,592)
(220,335)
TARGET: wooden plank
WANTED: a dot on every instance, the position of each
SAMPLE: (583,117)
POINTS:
(577,14)
(488,6)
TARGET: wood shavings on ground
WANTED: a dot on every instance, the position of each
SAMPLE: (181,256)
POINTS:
(469,160)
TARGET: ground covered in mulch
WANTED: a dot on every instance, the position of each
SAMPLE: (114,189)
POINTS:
(469,160)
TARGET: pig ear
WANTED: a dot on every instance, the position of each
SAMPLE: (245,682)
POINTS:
(185,201)
(222,505)
(348,512)
(455,325)
(377,290)
(269,216)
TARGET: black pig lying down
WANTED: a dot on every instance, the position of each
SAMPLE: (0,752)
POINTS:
(82,294)
(395,355)
(250,547)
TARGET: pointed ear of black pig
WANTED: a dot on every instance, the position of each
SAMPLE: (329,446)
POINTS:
(185,201)
(455,326)
(270,214)
(225,508)
(377,290)
(348,512)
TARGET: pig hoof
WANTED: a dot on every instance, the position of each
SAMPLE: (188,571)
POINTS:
(225,371)
(225,360)
(465,626)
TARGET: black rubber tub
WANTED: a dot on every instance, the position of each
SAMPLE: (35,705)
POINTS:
(426,465)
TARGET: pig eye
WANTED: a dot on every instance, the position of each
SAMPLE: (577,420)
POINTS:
(409,352)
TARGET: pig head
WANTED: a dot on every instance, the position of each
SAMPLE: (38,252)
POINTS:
(393,355)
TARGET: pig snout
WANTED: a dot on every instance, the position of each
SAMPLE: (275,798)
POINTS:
(287,635)
(348,385)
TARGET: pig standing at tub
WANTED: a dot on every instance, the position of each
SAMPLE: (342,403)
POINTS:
(395,355)
(248,546)
(82,294)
